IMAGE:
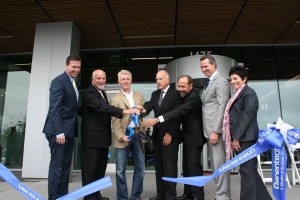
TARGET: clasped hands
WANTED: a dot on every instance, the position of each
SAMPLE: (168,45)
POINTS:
(152,122)
(136,110)
(129,111)
(148,122)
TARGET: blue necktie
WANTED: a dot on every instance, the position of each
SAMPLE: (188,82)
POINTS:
(206,84)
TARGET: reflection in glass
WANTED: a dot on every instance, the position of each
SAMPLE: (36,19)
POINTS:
(13,105)
(289,93)
(269,105)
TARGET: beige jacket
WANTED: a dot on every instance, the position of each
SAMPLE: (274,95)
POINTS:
(119,125)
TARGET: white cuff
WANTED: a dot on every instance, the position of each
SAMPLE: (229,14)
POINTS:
(161,119)
(60,135)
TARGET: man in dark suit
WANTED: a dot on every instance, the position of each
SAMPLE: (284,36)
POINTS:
(192,133)
(96,130)
(60,126)
(166,136)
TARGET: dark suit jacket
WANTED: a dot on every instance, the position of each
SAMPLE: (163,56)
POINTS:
(170,102)
(191,114)
(96,119)
(243,116)
(63,107)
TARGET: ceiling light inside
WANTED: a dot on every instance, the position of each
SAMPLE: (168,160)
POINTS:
(6,36)
(23,64)
(152,58)
(147,36)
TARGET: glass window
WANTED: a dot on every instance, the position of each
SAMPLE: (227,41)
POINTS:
(269,105)
(289,95)
(289,85)
(14,87)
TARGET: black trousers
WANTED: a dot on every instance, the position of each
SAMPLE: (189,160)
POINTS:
(191,166)
(94,163)
(252,186)
(166,158)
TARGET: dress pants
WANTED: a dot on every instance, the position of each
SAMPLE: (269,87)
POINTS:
(166,158)
(217,158)
(59,168)
(251,182)
(94,163)
(192,167)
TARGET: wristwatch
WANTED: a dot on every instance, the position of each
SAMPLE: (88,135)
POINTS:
(157,120)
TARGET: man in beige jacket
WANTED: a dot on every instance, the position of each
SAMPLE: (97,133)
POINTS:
(123,143)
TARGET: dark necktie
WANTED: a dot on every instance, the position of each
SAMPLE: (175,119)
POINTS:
(161,97)
(102,94)
(206,84)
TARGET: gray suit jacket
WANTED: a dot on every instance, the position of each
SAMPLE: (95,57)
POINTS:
(214,100)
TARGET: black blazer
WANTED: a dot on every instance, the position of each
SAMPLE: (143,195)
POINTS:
(243,116)
(190,113)
(96,119)
(170,102)
(63,107)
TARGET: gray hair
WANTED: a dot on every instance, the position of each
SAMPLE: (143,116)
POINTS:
(125,72)
(166,73)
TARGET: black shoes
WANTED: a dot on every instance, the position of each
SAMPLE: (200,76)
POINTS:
(156,198)
(102,198)
(95,197)
(185,197)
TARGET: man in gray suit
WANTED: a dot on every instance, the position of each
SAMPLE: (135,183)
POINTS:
(214,99)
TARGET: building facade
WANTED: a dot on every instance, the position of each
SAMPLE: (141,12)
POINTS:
(25,78)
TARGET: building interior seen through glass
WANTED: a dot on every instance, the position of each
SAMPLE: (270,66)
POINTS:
(274,73)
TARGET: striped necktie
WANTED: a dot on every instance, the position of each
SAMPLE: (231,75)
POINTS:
(75,88)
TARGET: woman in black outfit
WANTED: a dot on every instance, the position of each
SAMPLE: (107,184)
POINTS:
(240,131)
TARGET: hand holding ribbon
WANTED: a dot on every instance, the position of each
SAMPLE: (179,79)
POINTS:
(130,130)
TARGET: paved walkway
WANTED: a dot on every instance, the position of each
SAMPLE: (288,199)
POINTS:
(40,186)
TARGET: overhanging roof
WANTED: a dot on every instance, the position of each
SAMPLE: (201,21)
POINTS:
(136,23)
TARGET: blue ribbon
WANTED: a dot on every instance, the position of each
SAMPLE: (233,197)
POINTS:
(20,187)
(30,194)
(129,130)
(272,137)
(88,189)
(246,155)
(279,172)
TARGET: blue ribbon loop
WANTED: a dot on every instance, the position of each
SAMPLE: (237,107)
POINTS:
(88,189)
(31,194)
(129,130)
(273,137)
(20,187)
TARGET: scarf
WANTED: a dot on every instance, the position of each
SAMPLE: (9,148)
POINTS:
(226,125)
